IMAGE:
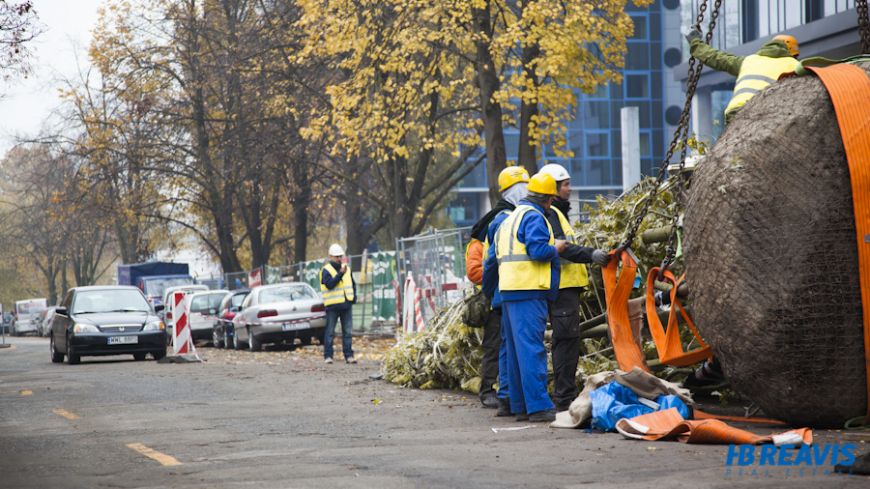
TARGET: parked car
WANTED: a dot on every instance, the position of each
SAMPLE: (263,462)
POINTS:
(167,311)
(279,313)
(105,320)
(203,312)
(222,329)
(26,317)
(45,317)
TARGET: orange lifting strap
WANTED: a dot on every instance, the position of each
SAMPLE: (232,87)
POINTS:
(616,295)
(849,89)
(668,343)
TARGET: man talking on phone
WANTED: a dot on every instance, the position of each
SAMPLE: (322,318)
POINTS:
(339,295)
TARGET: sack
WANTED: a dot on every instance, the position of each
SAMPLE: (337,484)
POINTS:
(477,309)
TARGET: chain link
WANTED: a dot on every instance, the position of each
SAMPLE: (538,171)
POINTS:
(863,25)
(682,130)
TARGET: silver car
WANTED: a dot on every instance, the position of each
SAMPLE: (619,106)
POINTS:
(45,317)
(204,308)
(280,313)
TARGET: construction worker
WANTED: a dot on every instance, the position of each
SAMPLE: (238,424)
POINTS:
(512,183)
(754,72)
(528,278)
(565,312)
(339,295)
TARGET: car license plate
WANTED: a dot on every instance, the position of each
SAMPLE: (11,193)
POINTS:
(294,326)
(123,340)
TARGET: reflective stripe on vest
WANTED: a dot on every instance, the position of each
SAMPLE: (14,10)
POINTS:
(516,270)
(343,291)
(573,274)
(756,74)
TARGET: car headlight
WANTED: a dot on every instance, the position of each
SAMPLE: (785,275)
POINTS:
(85,328)
(154,326)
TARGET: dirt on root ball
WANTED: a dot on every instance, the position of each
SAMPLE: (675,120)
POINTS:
(772,261)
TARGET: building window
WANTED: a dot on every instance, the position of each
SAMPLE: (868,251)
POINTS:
(749,27)
(597,143)
(640,27)
(637,57)
(637,86)
(813,10)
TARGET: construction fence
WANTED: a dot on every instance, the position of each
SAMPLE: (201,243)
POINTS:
(397,291)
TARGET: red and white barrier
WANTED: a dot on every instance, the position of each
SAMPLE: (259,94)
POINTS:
(412,307)
(182,341)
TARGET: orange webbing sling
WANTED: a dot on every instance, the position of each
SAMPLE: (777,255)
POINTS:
(849,89)
(668,344)
(616,295)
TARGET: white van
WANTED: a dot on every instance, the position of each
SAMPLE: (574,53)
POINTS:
(27,316)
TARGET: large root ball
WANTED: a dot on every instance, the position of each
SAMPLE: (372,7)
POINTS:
(772,260)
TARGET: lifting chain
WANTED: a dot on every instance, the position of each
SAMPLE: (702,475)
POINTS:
(863,25)
(682,130)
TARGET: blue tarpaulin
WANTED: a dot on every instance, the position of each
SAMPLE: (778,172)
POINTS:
(612,402)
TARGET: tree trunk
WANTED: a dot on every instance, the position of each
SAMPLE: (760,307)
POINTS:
(528,156)
(301,206)
(488,84)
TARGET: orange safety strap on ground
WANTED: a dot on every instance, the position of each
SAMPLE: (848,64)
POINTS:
(670,425)
(616,294)
(849,89)
(668,344)
(698,414)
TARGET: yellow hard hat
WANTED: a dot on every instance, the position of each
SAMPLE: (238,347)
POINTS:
(511,176)
(790,42)
(543,183)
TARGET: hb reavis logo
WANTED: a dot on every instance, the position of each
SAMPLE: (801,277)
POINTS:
(817,458)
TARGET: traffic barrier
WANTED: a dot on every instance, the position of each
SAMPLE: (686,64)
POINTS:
(182,341)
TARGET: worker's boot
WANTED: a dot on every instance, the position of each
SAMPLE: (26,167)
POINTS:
(489,400)
(545,416)
(504,407)
(861,466)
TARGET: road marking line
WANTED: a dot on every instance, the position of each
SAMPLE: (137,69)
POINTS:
(26,392)
(66,414)
(162,458)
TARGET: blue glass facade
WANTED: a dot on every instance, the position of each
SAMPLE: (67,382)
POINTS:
(594,135)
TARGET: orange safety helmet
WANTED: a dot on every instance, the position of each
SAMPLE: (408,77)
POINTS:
(790,42)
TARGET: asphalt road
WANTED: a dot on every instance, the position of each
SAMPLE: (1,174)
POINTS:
(283,419)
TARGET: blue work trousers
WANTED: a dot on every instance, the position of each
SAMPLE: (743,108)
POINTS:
(504,391)
(332,316)
(524,324)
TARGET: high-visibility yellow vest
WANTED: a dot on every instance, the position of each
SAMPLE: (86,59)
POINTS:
(343,291)
(516,270)
(573,274)
(756,73)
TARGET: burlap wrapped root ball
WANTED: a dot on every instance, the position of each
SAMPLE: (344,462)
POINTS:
(771,257)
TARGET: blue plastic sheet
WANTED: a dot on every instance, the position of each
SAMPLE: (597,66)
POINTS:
(612,402)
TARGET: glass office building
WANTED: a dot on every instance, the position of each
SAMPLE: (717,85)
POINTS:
(594,134)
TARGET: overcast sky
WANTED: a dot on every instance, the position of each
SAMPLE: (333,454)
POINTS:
(67,32)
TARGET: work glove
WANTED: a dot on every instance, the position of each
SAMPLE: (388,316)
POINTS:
(694,34)
(600,257)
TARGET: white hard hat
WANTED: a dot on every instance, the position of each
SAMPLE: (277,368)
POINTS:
(335,249)
(558,172)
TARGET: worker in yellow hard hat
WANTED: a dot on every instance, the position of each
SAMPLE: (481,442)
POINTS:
(527,278)
(565,311)
(754,72)
(512,183)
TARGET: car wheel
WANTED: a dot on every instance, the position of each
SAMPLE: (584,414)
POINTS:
(139,356)
(216,339)
(159,354)
(56,357)
(72,357)
(253,343)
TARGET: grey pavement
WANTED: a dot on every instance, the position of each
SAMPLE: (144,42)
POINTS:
(285,420)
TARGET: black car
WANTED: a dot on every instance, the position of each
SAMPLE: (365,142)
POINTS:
(223,335)
(106,320)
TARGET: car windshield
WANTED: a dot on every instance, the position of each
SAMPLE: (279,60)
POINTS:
(236,300)
(206,302)
(156,287)
(109,300)
(286,293)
